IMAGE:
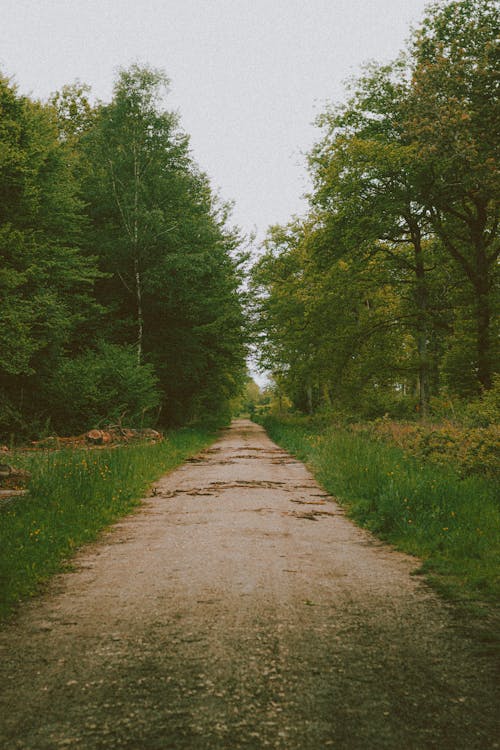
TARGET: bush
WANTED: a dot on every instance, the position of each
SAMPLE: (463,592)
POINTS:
(486,410)
(467,450)
(102,386)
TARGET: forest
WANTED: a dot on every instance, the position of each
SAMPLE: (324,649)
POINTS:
(383,299)
(124,295)
(120,272)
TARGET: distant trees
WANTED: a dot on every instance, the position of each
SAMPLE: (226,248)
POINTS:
(249,400)
(387,291)
(113,246)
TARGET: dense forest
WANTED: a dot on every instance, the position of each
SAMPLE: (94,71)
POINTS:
(120,276)
(384,299)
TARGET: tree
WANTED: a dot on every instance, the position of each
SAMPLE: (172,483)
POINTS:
(366,175)
(452,123)
(372,293)
(46,284)
(133,153)
(163,239)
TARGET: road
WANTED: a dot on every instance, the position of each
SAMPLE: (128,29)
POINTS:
(239,608)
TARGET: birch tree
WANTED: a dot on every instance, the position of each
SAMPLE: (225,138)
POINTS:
(134,152)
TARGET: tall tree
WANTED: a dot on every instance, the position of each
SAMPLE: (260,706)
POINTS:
(45,281)
(163,238)
(366,178)
(452,121)
(134,152)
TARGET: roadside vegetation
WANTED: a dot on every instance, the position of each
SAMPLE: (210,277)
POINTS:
(450,521)
(72,496)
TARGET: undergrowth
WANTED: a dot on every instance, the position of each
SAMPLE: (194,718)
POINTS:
(73,495)
(466,450)
(451,522)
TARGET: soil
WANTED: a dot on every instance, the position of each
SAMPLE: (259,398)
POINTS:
(239,608)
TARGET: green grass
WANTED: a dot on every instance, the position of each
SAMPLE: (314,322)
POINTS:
(73,495)
(452,523)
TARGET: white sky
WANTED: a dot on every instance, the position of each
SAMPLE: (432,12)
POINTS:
(248,76)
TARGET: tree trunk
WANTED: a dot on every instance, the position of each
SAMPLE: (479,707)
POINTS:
(483,312)
(477,270)
(422,337)
(135,240)
(309,395)
(483,316)
(140,325)
(327,399)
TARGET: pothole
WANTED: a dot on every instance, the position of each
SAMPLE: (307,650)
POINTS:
(193,492)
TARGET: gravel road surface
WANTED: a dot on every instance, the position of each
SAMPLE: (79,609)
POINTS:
(239,608)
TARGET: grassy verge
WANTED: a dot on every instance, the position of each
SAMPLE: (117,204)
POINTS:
(452,523)
(72,496)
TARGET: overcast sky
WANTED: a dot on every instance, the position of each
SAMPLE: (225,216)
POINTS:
(247,76)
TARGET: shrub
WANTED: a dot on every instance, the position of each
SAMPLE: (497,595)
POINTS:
(100,386)
(486,410)
(467,450)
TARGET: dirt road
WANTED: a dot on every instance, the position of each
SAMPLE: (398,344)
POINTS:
(239,608)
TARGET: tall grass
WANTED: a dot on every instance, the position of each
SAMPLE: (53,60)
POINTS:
(429,511)
(72,496)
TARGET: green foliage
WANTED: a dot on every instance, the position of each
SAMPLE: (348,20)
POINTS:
(46,283)
(468,450)
(247,402)
(173,280)
(386,293)
(72,496)
(452,523)
(100,386)
(485,411)
(110,233)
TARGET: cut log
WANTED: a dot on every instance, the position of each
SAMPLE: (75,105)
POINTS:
(13,478)
(5,471)
(149,434)
(98,437)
